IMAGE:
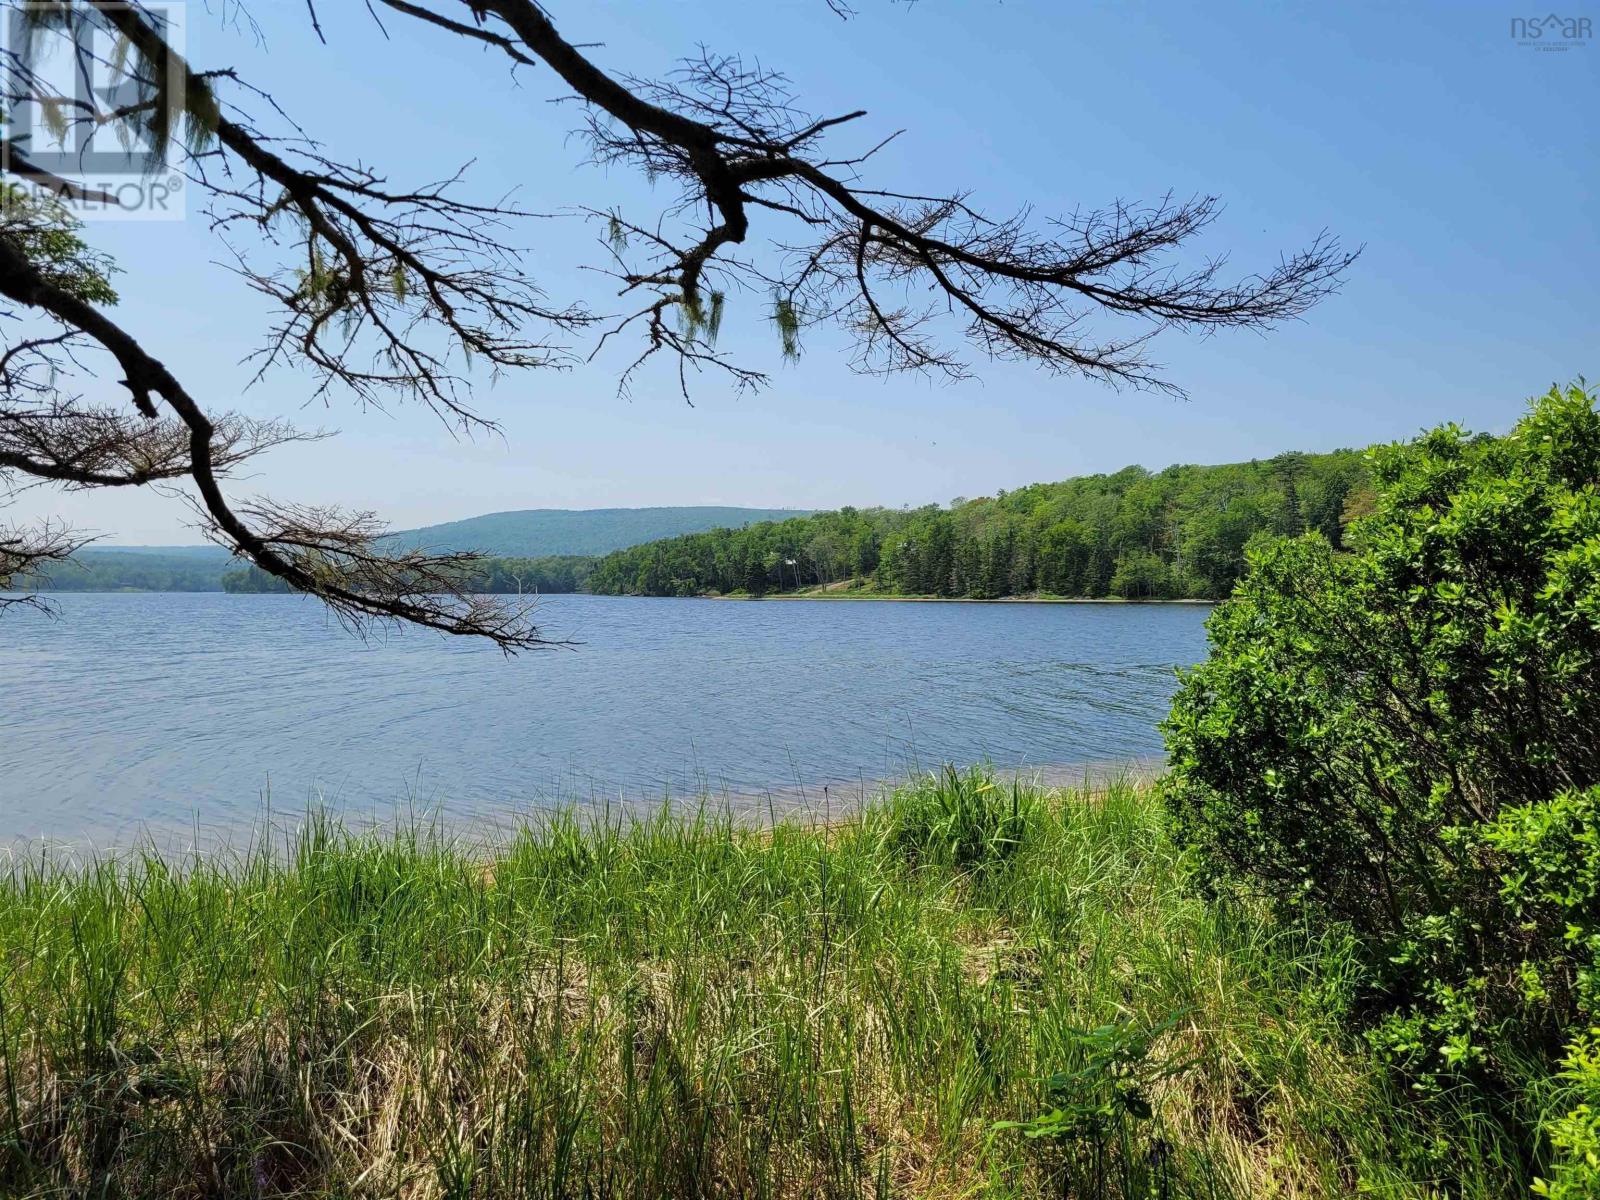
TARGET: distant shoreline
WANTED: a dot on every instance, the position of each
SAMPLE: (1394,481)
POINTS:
(954,599)
(592,799)
(132,591)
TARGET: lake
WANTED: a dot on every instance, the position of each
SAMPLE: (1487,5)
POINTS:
(166,712)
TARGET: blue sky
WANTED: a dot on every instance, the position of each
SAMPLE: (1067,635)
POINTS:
(1468,166)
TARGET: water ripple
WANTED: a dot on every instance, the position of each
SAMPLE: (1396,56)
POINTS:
(157,710)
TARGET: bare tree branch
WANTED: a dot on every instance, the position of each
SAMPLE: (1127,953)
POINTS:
(315,551)
(387,290)
(734,139)
(26,553)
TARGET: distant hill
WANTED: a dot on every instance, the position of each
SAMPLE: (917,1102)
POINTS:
(140,569)
(535,532)
(526,533)
(204,552)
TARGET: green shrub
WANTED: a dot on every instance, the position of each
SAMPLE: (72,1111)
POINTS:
(1548,856)
(1405,740)
(1575,1134)
(1101,1103)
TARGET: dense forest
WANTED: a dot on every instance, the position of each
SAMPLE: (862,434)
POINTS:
(199,571)
(181,569)
(1136,534)
(555,573)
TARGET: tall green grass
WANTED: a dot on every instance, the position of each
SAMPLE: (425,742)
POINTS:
(972,988)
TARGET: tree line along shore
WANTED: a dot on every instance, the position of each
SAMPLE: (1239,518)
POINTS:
(1177,534)
(1180,533)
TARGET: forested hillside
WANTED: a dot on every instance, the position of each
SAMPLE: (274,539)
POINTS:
(1176,533)
(549,575)
(1135,534)
(536,549)
(539,532)
(139,569)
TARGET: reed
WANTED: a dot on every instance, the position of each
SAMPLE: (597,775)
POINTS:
(973,987)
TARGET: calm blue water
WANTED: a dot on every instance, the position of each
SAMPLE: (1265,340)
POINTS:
(165,711)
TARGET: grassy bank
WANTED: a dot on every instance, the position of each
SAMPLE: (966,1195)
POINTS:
(689,1006)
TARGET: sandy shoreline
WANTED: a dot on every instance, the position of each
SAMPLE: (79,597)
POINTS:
(487,827)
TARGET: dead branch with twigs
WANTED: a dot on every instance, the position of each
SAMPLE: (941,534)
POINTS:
(385,290)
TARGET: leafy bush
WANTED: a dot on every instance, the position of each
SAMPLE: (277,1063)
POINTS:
(1102,1115)
(1405,740)
(1548,854)
(1575,1134)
